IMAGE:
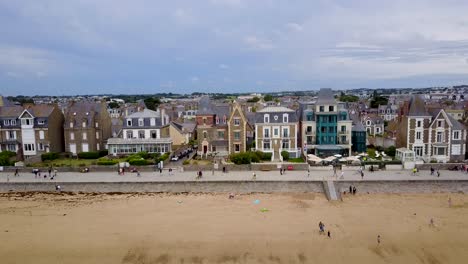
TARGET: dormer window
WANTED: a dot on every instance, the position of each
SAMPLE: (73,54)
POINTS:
(266,118)
(237,121)
(285,118)
(217,120)
(153,121)
(6,122)
(83,124)
(71,124)
(129,122)
(368,122)
(224,119)
(41,122)
(97,124)
(13,122)
(26,121)
(140,122)
(331,108)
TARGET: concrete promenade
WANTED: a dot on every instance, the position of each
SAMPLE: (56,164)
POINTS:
(235,176)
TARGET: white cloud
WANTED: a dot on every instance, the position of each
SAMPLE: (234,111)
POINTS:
(294,27)
(223,66)
(256,43)
(194,79)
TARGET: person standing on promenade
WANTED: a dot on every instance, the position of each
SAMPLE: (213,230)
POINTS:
(50,171)
(362,175)
(342,175)
(254,176)
(438,173)
(308,172)
(432,171)
(350,189)
(334,171)
(16,172)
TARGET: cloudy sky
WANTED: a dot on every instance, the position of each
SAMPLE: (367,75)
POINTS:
(111,46)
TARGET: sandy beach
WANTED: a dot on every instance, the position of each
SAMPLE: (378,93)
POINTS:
(210,228)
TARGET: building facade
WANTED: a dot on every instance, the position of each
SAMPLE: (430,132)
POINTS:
(276,130)
(237,130)
(145,130)
(212,128)
(87,127)
(326,126)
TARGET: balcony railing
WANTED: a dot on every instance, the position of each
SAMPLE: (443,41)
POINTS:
(343,132)
(310,133)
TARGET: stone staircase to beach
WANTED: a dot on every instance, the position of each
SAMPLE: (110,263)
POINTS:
(330,191)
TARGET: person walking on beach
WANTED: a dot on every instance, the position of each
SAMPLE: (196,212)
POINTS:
(329,234)
(431,222)
(321,227)
(350,189)
(354,190)
(449,202)
(378,239)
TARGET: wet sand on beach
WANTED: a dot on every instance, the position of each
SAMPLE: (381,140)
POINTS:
(210,228)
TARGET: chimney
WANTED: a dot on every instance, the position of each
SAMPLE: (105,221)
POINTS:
(163,116)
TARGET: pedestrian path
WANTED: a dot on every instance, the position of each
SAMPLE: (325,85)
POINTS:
(330,190)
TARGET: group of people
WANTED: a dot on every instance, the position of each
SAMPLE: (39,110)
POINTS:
(352,190)
(282,171)
(322,229)
(433,170)
(37,173)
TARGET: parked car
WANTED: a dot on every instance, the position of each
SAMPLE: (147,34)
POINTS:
(175,158)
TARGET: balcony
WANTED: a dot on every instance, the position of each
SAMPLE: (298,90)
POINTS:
(310,133)
(343,132)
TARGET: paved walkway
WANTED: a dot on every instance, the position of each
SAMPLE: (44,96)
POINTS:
(234,176)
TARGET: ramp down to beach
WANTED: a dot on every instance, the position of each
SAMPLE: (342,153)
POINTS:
(330,190)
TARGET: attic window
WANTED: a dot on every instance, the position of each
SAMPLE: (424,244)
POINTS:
(224,119)
(217,120)
(74,113)
(41,122)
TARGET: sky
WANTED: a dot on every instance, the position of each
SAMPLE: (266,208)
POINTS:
(56,47)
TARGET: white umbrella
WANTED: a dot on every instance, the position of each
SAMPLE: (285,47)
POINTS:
(343,160)
(352,158)
(337,155)
(331,158)
(313,158)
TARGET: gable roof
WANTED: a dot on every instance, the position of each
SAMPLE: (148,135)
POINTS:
(205,106)
(11,111)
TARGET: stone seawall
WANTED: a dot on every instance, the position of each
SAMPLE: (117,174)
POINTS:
(418,186)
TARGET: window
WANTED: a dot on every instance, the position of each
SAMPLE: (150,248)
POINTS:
(285,118)
(418,123)
(331,119)
(97,134)
(6,122)
(331,108)
(456,149)
(11,147)
(224,119)
(343,128)
(98,147)
(237,135)
(96,124)
(40,146)
(140,122)
(266,132)
(72,136)
(129,122)
(343,140)
(285,132)
(141,134)
(236,121)
(266,118)
(266,144)
(285,144)
(85,136)
(84,124)
(323,129)
(275,132)
(152,121)
(221,134)
(28,147)
(217,120)
(309,129)
(13,122)
(418,151)
(368,122)
(237,147)
(41,122)
(153,134)
(41,134)
(440,123)
(204,120)
(205,134)
(440,137)
(456,135)
(26,122)
(322,108)
(440,151)
(71,124)
(309,116)
(10,134)
(130,134)
(418,135)
(377,130)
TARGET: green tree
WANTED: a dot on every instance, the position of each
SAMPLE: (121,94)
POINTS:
(391,151)
(253,100)
(268,97)
(152,103)
(113,105)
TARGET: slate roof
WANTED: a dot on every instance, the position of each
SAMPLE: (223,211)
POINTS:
(456,125)
(41,110)
(11,111)
(205,106)
(417,107)
(325,96)
(83,110)
(276,111)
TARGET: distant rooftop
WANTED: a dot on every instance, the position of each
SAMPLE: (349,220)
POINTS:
(326,96)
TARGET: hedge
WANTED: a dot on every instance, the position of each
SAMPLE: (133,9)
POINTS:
(139,162)
(103,153)
(160,158)
(285,155)
(107,162)
(49,156)
(88,155)
(5,158)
